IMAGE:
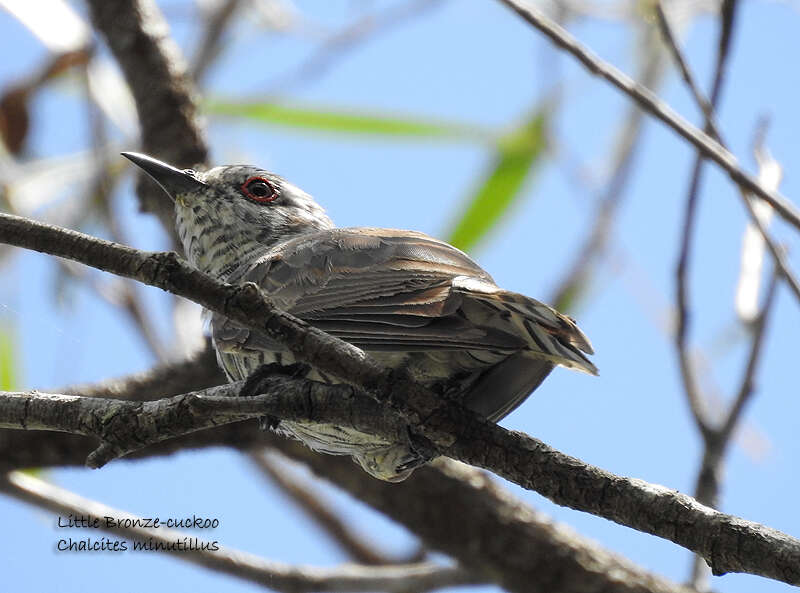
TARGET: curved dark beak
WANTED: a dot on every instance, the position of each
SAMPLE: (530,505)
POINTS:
(173,181)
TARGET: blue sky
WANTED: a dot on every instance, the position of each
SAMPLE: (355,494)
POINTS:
(471,61)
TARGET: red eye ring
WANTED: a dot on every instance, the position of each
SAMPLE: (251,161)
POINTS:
(261,183)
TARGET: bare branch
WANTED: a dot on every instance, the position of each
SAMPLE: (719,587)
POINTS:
(728,543)
(443,526)
(756,347)
(657,509)
(209,46)
(657,108)
(716,438)
(274,575)
(672,43)
(197,372)
(689,223)
(488,508)
(127,426)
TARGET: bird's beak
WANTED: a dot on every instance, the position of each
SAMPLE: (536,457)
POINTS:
(174,181)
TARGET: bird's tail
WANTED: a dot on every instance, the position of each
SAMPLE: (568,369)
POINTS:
(550,335)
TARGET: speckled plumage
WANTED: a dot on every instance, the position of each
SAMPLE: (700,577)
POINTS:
(409,300)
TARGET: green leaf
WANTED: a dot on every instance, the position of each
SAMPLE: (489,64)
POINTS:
(350,122)
(9,376)
(8,362)
(517,155)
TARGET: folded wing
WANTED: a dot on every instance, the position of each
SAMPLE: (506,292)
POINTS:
(389,290)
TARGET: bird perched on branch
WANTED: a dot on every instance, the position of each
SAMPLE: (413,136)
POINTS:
(409,300)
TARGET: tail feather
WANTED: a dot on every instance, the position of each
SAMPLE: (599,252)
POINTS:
(551,336)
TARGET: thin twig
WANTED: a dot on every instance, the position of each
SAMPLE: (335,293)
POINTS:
(345,40)
(657,108)
(707,483)
(568,290)
(209,46)
(711,462)
(716,438)
(121,293)
(688,375)
(210,554)
(756,348)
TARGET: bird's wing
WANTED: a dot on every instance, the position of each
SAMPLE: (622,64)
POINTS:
(379,289)
(392,290)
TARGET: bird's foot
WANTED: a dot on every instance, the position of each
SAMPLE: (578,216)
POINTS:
(421,448)
(254,384)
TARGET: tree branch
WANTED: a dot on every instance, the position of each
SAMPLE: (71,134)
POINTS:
(657,108)
(715,437)
(121,423)
(729,544)
(274,575)
(530,552)
(127,426)
(677,55)
(469,495)
(210,45)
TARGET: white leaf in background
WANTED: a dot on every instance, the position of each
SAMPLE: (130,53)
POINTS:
(189,334)
(753,246)
(53,22)
(36,184)
(111,93)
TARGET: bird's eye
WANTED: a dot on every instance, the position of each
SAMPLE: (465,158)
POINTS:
(259,190)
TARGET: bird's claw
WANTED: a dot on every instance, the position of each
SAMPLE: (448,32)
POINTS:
(253,385)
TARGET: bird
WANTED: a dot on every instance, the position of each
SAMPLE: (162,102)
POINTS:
(409,300)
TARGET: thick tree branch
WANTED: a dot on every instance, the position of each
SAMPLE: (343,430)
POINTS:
(729,544)
(127,426)
(657,108)
(274,575)
(529,551)
(689,225)
(486,507)
(156,73)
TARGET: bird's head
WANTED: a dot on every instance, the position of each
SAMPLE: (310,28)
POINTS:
(232,213)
